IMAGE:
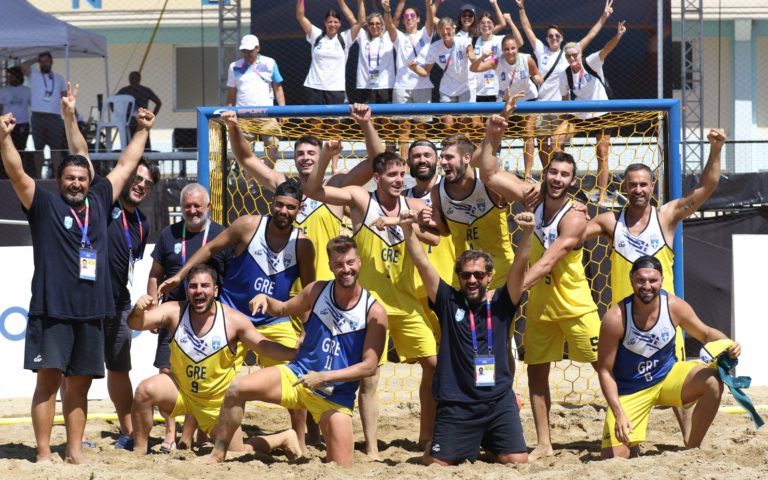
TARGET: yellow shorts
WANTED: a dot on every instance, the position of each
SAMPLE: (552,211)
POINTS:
(413,335)
(300,397)
(282,333)
(637,406)
(544,340)
(679,344)
(205,410)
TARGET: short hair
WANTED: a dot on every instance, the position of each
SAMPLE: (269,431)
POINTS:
(340,244)
(16,71)
(74,161)
(154,171)
(572,45)
(560,156)
(194,187)
(462,142)
(203,268)
(135,72)
(422,142)
(507,38)
(45,54)
(445,21)
(289,188)
(310,139)
(471,256)
(384,160)
(646,261)
(634,167)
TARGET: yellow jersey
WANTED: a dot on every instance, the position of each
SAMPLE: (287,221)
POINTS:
(627,248)
(319,224)
(204,366)
(442,256)
(564,292)
(476,222)
(387,271)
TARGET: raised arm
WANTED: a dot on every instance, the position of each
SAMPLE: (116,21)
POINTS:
(611,333)
(351,195)
(75,140)
(23,184)
(608,48)
(306,25)
(389,24)
(500,20)
(253,165)
(526,24)
(362,172)
(607,11)
(355,23)
(516,276)
(571,234)
(430,10)
(428,273)
(511,24)
(147,315)
(296,306)
(674,211)
(131,155)
(603,224)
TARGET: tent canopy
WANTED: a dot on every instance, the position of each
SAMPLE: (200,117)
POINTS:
(25,31)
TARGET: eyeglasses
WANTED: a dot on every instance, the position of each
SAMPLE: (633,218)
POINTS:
(409,15)
(480,275)
(554,35)
(467,14)
(571,55)
(138,179)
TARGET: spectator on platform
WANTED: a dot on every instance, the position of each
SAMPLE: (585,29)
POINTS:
(15,98)
(489,44)
(47,88)
(375,62)
(143,95)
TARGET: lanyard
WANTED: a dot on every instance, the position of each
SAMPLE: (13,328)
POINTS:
(127,231)
(48,93)
(184,240)
(255,68)
(581,76)
(413,45)
(473,327)
(514,73)
(450,56)
(85,242)
(378,53)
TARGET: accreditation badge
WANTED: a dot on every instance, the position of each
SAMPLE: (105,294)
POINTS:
(87,264)
(131,261)
(485,371)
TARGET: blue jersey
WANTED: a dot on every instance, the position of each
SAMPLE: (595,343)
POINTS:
(334,340)
(259,269)
(645,357)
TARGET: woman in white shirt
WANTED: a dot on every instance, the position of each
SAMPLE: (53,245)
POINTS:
(516,73)
(326,81)
(375,62)
(490,42)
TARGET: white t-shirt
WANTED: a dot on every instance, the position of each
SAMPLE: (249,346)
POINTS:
(254,82)
(411,47)
(457,78)
(46,91)
(375,62)
(585,85)
(16,100)
(328,68)
(487,82)
(516,77)
(549,90)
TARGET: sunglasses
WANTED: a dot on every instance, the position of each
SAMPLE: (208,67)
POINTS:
(138,179)
(571,55)
(480,275)
(409,15)
(467,14)
(554,35)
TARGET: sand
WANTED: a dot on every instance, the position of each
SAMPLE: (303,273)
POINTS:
(732,449)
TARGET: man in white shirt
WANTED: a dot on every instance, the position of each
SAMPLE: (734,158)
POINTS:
(47,126)
(255,80)
(15,99)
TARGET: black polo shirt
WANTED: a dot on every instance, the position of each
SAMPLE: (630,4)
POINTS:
(138,229)
(455,375)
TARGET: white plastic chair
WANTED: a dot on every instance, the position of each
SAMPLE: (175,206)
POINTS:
(115,114)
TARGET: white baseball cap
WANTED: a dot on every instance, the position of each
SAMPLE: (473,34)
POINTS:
(249,42)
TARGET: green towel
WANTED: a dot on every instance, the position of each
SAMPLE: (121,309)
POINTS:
(725,366)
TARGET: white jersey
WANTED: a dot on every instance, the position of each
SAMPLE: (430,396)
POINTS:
(46,91)
(16,100)
(549,90)
(253,83)
(328,68)
(457,78)
(375,62)
(488,82)
(198,348)
(516,77)
(411,47)
(585,85)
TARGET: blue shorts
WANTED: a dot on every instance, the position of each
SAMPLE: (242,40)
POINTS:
(462,428)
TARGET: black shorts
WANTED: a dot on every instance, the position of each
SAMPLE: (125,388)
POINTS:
(597,125)
(19,136)
(163,352)
(325,97)
(462,428)
(117,342)
(74,347)
(369,95)
(486,98)
(48,129)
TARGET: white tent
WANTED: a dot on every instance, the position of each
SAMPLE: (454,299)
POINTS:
(25,32)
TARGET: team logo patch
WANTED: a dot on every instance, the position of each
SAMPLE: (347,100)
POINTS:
(622,244)
(436,447)
(68,222)
(442,58)
(481,205)
(552,237)
(654,241)
(664,335)
(287,259)
(459,315)
(116,213)
(177,248)
(216,343)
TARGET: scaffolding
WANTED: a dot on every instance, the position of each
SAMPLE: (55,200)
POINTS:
(692,46)
(229,36)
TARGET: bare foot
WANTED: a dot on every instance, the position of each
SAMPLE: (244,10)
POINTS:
(423,444)
(44,458)
(540,452)
(372,453)
(76,458)
(289,443)
(211,459)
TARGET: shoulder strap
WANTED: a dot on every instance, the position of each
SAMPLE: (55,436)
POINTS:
(594,74)
(569,76)
(554,65)
(338,35)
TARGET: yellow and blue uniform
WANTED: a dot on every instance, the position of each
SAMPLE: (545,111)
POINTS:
(476,222)
(560,305)
(646,372)
(259,269)
(390,275)
(202,368)
(334,340)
